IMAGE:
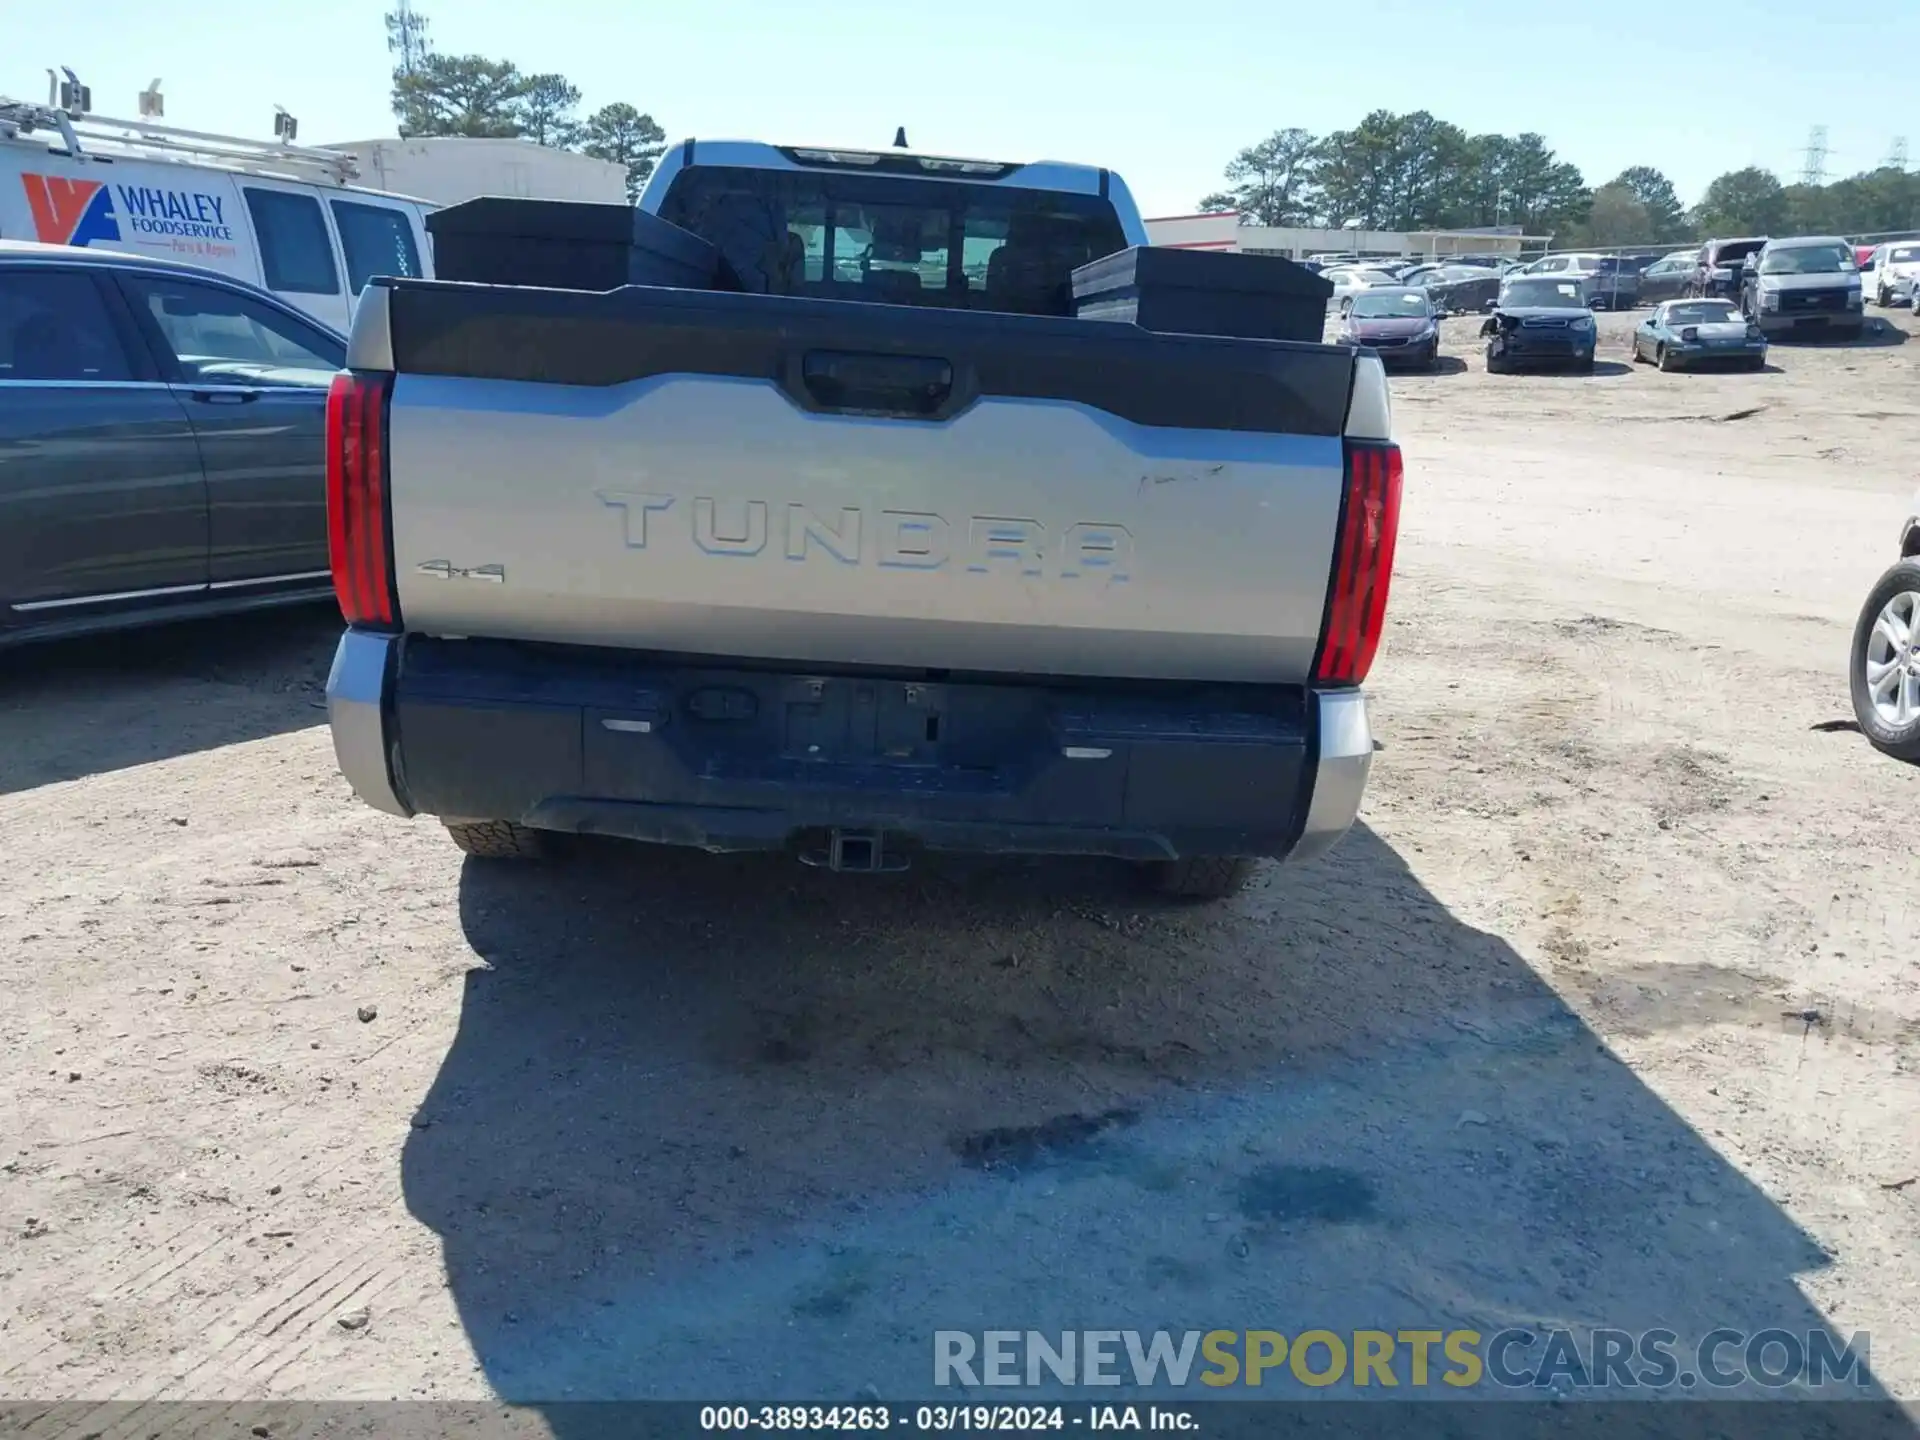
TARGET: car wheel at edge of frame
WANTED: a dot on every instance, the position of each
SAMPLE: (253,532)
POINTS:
(1883,669)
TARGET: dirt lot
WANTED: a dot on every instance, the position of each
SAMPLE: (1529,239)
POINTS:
(1608,1014)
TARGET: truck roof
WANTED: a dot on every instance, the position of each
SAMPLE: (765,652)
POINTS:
(1057,175)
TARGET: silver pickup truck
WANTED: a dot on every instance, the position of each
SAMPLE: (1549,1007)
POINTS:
(889,552)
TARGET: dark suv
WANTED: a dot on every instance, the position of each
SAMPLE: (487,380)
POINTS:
(162,449)
(1716,274)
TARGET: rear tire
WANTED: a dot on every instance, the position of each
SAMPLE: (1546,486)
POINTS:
(1201,877)
(497,839)
(1664,360)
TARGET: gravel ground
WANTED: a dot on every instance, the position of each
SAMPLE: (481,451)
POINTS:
(1606,1015)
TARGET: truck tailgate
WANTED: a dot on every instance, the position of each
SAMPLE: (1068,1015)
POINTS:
(816,481)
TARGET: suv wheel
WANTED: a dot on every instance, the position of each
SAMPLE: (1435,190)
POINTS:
(1884,674)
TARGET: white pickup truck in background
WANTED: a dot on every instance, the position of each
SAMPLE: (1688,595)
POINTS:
(942,567)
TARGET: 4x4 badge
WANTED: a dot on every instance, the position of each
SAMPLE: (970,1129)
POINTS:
(447,570)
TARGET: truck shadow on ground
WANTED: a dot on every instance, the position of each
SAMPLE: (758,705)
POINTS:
(1602,369)
(1445,365)
(85,707)
(1879,334)
(724,1127)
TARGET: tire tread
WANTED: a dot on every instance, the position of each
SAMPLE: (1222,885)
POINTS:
(1202,877)
(496,839)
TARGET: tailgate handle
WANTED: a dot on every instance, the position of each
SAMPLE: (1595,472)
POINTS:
(914,385)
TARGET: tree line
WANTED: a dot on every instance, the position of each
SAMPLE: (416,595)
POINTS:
(1418,172)
(472,95)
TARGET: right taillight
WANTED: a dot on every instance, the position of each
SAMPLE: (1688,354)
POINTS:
(357,537)
(1362,564)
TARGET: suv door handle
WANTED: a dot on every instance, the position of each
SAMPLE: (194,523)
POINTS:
(233,395)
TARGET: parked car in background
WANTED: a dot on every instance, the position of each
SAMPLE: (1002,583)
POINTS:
(1541,320)
(1889,273)
(1565,262)
(1439,274)
(1397,321)
(1612,281)
(1884,669)
(1667,278)
(1464,291)
(1685,333)
(1863,253)
(162,443)
(1807,283)
(1349,280)
(1621,279)
(1716,269)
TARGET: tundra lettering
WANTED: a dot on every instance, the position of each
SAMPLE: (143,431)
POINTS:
(902,539)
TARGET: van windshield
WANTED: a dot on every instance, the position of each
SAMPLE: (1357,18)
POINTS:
(895,240)
(1808,260)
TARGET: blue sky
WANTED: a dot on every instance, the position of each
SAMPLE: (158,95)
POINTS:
(1163,92)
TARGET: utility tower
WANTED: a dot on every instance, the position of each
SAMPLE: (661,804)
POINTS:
(1897,155)
(1814,172)
(407,36)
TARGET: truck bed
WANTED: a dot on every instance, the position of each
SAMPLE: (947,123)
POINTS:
(813,481)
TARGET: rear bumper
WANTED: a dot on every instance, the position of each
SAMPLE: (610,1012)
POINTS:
(725,759)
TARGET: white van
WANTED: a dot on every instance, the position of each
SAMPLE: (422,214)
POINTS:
(281,217)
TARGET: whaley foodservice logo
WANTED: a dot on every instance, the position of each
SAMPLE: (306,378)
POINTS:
(79,212)
(70,212)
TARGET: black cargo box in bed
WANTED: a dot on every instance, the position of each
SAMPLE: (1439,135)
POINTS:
(566,245)
(1201,292)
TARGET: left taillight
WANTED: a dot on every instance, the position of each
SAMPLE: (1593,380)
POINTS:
(1362,564)
(358,540)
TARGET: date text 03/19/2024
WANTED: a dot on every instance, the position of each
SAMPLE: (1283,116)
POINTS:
(946,1419)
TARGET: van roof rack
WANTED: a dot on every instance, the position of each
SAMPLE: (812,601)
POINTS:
(86,136)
